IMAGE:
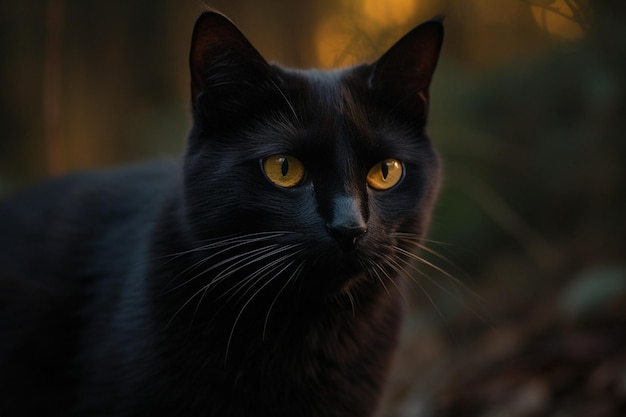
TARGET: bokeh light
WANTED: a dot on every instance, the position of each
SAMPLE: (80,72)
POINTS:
(345,37)
(560,18)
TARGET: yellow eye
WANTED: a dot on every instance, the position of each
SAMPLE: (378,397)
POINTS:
(385,174)
(283,170)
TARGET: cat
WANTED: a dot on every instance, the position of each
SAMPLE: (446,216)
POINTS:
(262,274)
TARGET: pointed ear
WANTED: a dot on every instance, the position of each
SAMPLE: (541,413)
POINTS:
(403,73)
(222,61)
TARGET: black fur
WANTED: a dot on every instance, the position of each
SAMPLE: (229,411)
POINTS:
(200,288)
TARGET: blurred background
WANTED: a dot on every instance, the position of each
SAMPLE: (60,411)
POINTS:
(520,309)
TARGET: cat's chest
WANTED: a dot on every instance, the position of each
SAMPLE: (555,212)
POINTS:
(336,363)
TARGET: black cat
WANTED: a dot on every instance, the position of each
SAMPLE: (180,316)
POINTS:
(260,276)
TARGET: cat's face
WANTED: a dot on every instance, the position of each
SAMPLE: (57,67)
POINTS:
(292,173)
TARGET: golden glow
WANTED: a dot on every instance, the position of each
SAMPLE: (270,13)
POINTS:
(558,19)
(338,38)
(385,174)
(283,170)
(331,43)
(389,12)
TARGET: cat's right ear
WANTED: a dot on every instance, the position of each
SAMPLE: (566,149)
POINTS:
(403,74)
(223,63)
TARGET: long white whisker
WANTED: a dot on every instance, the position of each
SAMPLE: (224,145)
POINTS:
(220,242)
(424,261)
(269,310)
(206,287)
(400,271)
(245,255)
(232,331)
(195,311)
(417,242)
(232,243)
(221,276)
(443,288)
(184,305)
(404,273)
(258,275)
(246,259)
(377,269)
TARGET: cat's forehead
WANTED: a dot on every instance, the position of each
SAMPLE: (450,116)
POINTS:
(334,90)
(334,101)
(338,106)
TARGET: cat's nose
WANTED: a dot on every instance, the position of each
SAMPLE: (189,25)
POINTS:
(347,224)
(347,236)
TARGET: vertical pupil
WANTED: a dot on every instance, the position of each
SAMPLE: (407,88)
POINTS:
(384,168)
(284,167)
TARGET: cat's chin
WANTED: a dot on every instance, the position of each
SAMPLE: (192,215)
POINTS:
(350,268)
(343,275)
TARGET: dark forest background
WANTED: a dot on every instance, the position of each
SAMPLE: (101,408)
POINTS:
(520,307)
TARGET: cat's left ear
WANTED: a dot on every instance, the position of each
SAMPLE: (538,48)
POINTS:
(223,63)
(403,74)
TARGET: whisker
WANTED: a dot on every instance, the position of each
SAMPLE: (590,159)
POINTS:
(241,261)
(219,242)
(206,287)
(400,271)
(259,274)
(177,312)
(412,237)
(417,242)
(295,274)
(232,331)
(376,269)
(420,245)
(195,311)
(203,261)
(440,286)
(234,242)
(245,256)
(424,261)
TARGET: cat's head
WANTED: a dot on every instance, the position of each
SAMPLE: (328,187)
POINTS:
(309,172)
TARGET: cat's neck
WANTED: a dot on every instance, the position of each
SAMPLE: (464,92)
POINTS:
(335,357)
